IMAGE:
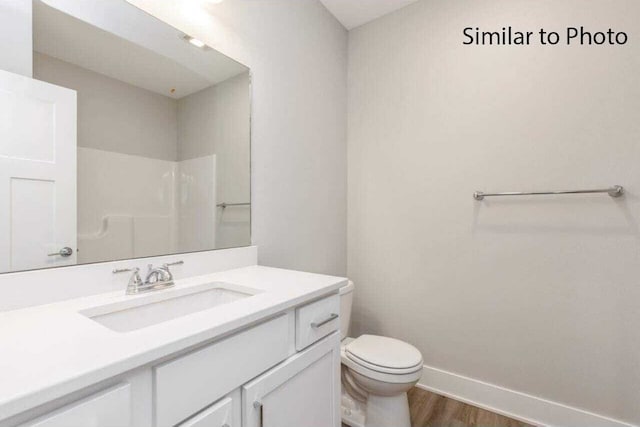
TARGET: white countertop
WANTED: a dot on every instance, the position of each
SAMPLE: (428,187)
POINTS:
(51,350)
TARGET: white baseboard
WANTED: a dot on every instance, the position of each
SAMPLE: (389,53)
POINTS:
(513,404)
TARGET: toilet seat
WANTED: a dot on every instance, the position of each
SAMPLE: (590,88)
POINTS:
(383,369)
(383,359)
(383,354)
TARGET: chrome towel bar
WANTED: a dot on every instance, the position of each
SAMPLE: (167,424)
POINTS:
(615,191)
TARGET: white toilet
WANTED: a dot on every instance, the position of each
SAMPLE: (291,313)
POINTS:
(377,372)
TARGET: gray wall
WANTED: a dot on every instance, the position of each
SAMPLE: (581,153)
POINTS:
(113,115)
(16,40)
(536,295)
(297,52)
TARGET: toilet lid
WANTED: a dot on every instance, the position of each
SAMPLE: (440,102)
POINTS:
(384,352)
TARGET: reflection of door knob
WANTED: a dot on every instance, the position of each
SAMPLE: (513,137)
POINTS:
(64,252)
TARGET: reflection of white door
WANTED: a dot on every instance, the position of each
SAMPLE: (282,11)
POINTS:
(37,173)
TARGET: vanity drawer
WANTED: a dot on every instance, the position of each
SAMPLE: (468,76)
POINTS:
(186,385)
(218,415)
(110,408)
(317,320)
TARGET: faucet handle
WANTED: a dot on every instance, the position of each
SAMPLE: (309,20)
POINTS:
(166,266)
(171,264)
(134,282)
(125,270)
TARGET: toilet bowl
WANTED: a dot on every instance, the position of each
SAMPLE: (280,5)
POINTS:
(377,372)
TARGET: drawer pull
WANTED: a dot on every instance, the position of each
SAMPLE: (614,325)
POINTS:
(331,318)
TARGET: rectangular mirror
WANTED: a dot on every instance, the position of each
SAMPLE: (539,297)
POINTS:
(132,141)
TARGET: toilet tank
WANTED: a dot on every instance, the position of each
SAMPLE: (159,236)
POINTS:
(346,301)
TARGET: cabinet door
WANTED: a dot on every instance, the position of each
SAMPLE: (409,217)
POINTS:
(302,391)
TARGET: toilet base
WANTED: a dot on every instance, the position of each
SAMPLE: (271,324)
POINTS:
(379,411)
(388,411)
(353,412)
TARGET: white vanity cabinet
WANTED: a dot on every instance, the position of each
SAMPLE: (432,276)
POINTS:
(259,376)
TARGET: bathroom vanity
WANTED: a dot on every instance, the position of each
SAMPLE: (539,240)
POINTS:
(252,347)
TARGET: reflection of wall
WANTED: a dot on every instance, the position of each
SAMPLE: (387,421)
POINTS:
(216,120)
(16,36)
(115,116)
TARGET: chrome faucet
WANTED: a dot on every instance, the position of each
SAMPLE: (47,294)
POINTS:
(157,278)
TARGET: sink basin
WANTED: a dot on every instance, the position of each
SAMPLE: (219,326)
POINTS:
(152,309)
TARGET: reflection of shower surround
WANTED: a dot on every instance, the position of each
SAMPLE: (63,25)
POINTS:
(132,206)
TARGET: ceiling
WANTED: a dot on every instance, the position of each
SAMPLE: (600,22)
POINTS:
(177,72)
(353,13)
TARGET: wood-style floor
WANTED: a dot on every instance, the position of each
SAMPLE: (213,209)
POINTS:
(431,410)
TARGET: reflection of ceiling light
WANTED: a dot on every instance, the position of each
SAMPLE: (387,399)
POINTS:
(215,1)
(195,42)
